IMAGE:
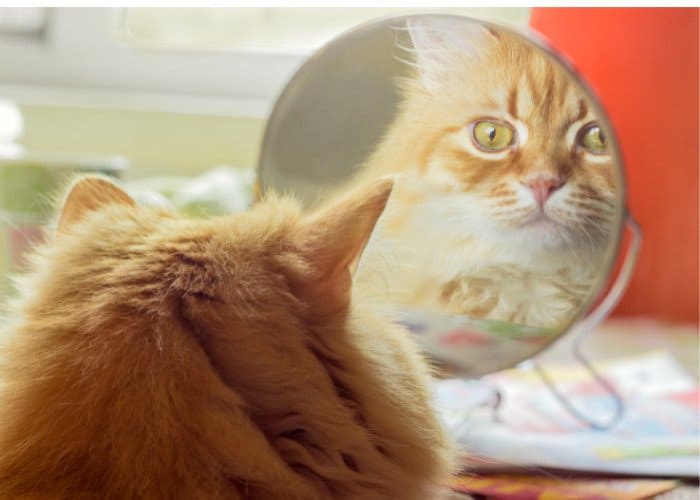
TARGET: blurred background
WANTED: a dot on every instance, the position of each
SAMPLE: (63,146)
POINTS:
(173,90)
(146,92)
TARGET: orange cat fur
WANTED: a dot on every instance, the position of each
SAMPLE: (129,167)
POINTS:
(151,356)
(463,231)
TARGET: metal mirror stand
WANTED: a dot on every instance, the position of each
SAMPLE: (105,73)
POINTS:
(580,332)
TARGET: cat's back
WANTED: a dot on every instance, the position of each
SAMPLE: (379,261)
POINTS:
(211,360)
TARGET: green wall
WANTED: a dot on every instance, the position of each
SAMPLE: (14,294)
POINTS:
(156,143)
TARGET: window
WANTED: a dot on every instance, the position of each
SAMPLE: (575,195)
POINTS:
(231,61)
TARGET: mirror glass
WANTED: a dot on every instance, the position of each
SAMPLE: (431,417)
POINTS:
(507,209)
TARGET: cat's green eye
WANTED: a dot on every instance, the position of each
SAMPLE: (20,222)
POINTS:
(592,139)
(492,136)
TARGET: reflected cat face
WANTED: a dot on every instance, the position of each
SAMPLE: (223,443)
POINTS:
(509,141)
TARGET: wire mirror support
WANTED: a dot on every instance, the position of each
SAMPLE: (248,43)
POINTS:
(581,332)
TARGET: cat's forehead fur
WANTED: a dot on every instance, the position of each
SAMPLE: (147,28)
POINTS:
(463,73)
(495,72)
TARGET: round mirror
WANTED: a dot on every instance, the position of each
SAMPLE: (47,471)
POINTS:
(508,204)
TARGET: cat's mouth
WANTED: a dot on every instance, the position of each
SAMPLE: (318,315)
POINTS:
(552,231)
(547,230)
(541,219)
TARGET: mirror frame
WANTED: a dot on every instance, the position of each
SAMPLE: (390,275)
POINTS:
(597,294)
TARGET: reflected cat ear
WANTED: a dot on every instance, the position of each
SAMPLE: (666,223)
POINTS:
(334,236)
(440,43)
(88,194)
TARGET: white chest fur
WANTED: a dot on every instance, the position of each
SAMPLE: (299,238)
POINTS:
(417,258)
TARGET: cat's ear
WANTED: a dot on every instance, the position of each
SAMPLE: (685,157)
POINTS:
(88,194)
(440,43)
(334,236)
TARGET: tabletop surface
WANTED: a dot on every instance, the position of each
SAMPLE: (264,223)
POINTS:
(628,337)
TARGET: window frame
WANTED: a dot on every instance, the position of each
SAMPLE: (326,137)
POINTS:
(84,58)
(71,65)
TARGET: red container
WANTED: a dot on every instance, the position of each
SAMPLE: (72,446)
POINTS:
(643,64)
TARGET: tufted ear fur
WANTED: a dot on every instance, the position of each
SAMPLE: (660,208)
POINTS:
(335,235)
(88,194)
(441,42)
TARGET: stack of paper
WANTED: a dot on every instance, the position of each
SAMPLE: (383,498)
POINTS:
(659,434)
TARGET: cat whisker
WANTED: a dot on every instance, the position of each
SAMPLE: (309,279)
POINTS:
(400,27)
(603,201)
(405,48)
(595,219)
(589,215)
(592,206)
(407,62)
(589,228)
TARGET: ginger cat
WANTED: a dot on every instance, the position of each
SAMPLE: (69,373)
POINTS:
(152,356)
(505,200)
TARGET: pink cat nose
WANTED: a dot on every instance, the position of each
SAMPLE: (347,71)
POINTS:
(543,187)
